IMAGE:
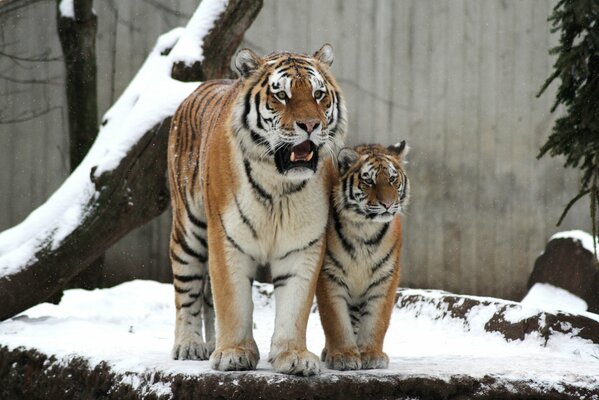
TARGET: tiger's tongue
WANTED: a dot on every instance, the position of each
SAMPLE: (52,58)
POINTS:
(301,151)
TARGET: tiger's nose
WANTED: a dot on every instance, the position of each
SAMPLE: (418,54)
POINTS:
(308,125)
(387,203)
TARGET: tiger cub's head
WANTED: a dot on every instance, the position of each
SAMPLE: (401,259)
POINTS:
(291,111)
(373,183)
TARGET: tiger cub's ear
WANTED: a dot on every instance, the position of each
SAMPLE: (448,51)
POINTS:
(246,62)
(346,158)
(400,150)
(325,54)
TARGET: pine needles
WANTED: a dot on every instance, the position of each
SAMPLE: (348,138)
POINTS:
(576,134)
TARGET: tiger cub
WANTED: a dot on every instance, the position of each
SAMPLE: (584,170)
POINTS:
(357,283)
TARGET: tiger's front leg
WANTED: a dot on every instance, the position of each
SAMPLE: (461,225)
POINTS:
(294,278)
(375,322)
(231,273)
(340,351)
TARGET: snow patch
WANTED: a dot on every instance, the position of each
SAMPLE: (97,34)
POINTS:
(584,238)
(421,340)
(67,9)
(189,48)
(546,297)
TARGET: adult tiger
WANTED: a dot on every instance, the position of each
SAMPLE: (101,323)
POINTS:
(357,283)
(249,164)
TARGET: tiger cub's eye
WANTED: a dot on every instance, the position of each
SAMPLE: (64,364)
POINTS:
(319,94)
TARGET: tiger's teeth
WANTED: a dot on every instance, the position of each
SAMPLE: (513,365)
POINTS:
(310,155)
(292,156)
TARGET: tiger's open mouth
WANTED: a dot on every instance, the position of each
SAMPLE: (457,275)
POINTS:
(303,155)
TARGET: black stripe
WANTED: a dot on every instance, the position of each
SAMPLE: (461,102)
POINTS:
(175,257)
(257,104)
(335,279)
(181,290)
(246,110)
(347,246)
(245,219)
(376,239)
(294,189)
(259,140)
(281,280)
(306,247)
(351,187)
(374,297)
(378,282)
(194,220)
(381,262)
(207,301)
(257,188)
(188,304)
(195,314)
(183,243)
(233,242)
(195,295)
(200,239)
(188,278)
(206,104)
(336,262)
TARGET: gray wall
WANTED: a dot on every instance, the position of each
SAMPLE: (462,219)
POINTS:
(456,79)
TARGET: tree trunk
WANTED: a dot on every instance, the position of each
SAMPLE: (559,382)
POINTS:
(78,40)
(127,196)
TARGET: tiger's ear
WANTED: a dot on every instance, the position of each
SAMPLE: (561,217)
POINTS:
(400,150)
(346,158)
(246,62)
(325,54)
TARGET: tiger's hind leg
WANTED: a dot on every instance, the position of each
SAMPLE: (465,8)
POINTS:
(189,257)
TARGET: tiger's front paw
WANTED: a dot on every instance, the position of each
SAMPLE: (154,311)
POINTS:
(191,348)
(296,362)
(239,358)
(343,360)
(373,359)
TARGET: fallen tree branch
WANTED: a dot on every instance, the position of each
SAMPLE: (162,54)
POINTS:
(121,183)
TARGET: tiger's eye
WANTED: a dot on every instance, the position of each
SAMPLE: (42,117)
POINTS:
(319,94)
(281,95)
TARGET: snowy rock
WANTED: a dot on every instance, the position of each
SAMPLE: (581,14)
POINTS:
(115,343)
(568,262)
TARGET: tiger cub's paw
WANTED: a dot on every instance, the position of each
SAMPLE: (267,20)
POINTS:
(296,362)
(348,359)
(373,359)
(191,348)
(238,358)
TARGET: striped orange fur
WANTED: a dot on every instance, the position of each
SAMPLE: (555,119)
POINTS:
(357,283)
(249,169)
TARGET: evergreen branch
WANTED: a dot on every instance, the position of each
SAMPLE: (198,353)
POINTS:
(571,203)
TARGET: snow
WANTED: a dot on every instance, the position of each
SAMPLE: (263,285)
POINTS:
(584,238)
(189,48)
(547,297)
(67,9)
(131,327)
(151,97)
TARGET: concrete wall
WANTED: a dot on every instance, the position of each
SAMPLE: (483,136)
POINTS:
(456,79)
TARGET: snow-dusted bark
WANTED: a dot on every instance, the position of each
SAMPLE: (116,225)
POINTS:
(121,182)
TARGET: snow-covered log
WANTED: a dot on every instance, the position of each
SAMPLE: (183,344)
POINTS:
(121,182)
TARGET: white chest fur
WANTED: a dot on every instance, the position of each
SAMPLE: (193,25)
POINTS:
(270,217)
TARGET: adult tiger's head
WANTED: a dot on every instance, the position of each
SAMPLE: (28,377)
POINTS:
(290,110)
(373,183)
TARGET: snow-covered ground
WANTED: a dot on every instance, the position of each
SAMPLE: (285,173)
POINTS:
(131,327)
